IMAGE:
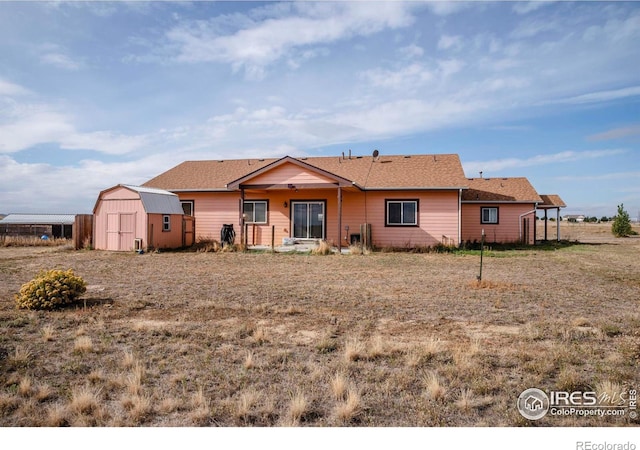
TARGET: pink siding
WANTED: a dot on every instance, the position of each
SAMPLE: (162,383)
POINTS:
(120,193)
(212,210)
(506,230)
(289,174)
(437,218)
(114,216)
(438,215)
(165,239)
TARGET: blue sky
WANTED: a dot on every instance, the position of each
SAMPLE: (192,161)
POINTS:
(96,94)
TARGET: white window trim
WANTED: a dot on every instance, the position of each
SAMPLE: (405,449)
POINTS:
(402,223)
(266,212)
(491,209)
(166,222)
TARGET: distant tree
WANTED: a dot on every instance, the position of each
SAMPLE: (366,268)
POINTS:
(552,219)
(621,223)
(604,219)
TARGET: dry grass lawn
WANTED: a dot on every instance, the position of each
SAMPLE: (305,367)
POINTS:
(260,339)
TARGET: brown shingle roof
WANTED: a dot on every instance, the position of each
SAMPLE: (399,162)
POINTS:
(517,189)
(384,172)
(551,201)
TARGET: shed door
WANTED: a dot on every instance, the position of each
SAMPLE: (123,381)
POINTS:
(113,231)
(127,230)
(121,228)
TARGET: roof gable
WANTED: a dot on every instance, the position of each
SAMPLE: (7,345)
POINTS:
(288,171)
(154,201)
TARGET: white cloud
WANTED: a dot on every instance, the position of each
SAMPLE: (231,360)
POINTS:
(26,125)
(527,7)
(498,165)
(532,28)
(105,142)
(616,133)
(411,51)
(257,44)
(61,61)
(600,96)
(38,125)
(450,66)
(447,42)
(602,177)
(447,7)
(405,78)
(12,90)
(67,189)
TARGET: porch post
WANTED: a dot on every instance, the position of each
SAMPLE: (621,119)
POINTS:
(558,223)
(241,218)
(339,219)
(545,224)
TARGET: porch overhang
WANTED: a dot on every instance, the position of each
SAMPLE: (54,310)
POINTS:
(551,201)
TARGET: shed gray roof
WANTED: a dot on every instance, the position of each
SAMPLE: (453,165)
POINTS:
(157,201)
(39,219)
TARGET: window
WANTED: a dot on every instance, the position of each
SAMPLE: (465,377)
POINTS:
(489,215)
(255,211)
(402,212)
(187,207)
(166,223)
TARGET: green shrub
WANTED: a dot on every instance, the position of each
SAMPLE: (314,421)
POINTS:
(50,290)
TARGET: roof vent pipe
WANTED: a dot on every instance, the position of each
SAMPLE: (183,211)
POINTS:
(481,174)
(349,153)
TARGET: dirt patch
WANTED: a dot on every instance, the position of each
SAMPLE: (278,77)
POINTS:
(191,339)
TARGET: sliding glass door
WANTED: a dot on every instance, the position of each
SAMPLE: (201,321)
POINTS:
(308,220)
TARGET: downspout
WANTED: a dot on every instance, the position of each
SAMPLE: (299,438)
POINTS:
(520,222)
(459,216)
(241,217)
(340,219)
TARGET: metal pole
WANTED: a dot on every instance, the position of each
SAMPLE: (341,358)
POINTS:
(481,254)
(339,219)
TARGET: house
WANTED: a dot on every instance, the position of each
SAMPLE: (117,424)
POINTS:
(53,225)
(573,218)
(129,217)
(405,200)
(389,201)
(504,208)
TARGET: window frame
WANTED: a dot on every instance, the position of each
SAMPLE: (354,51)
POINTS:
(489,222)
(402,202)
(166,222)
(252,220)
(189,202)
